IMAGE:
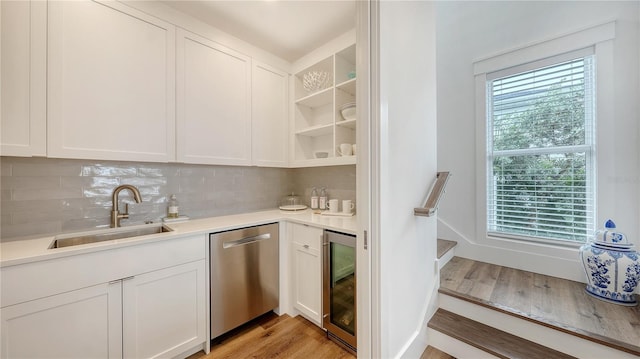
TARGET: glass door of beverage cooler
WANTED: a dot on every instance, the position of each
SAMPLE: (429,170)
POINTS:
(339,288)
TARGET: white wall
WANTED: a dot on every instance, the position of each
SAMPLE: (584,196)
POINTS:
(469,31)
(406,159)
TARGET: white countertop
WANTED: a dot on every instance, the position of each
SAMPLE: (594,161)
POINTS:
(31,250)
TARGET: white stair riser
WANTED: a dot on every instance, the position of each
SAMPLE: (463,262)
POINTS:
(542,335)
(455,347)
(446,258)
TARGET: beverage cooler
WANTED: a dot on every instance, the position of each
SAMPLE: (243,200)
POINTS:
(339,288)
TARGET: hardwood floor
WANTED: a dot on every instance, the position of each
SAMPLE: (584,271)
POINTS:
(553,302)
(272,336)
(444,246)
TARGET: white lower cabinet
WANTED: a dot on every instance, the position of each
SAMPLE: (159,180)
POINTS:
(162,311)
(307,270)
(84,323)
(143,301)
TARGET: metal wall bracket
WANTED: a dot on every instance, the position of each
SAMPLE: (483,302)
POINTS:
(437,191)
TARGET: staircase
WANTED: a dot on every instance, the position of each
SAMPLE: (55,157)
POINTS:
(490,311)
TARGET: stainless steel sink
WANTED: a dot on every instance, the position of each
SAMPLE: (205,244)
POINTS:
(76,239)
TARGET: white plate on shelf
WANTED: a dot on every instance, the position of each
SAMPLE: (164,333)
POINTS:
(293,207)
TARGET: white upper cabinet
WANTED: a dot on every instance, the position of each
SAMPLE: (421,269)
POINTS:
(269,115)
(213,102)
(111,83)
(24,65)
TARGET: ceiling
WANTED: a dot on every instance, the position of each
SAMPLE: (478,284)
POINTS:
(287,28)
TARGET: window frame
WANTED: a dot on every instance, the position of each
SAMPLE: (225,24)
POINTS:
(588,147)
(600,39)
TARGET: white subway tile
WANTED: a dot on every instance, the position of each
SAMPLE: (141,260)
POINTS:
(45,194)
(83,200)
(24,170)
(5,167)
(109,171)
(30,182)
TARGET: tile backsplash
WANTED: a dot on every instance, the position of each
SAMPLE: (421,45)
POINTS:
(43,196)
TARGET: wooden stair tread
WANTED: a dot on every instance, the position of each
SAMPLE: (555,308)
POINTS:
(445,245)
(553,302)
(433,353)
(489,339)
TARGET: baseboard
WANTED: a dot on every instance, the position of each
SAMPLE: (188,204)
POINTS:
(418,342)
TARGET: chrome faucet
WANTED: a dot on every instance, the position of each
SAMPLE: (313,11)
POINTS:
(115,213)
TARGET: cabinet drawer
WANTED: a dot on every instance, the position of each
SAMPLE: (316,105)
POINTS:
(34,280)
(307,236)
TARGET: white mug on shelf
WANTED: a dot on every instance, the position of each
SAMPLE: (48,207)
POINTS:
(333,205)
(345,149)
(347,206)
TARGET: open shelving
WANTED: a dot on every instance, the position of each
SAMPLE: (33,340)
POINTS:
(318,125)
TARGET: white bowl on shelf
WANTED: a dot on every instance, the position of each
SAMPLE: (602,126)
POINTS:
(321,154)
(348,111)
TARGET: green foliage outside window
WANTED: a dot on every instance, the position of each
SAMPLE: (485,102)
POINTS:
(543,193)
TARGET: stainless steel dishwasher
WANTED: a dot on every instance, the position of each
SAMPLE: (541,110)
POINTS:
(244,275)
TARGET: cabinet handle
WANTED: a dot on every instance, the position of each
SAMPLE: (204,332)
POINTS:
(247,240)
(306,246)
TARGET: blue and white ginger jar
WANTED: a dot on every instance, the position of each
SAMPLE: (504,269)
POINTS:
(612,266)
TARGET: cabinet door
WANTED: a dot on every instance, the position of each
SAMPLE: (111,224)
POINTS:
(24,65)
(164,311)
(269,116)
(307,271)
(85,323)
(111,83)
(213,102)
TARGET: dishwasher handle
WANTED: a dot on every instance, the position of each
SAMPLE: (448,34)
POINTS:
(246,240)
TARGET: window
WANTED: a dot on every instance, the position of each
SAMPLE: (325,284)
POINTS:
(541,149)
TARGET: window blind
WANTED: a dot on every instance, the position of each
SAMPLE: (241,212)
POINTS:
(541,173)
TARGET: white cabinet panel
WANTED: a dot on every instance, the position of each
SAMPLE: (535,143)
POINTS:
(111,83)
(307,271)
(23,118)
(165,311)
(85,323)
(213,102)
(269,116)
(152,303)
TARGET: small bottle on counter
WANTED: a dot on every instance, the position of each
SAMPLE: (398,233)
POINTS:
(314,198)
(323,198)
(172,208)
